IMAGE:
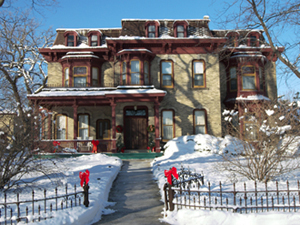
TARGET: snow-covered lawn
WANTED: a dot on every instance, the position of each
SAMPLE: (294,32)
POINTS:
(181,152)
(100,166)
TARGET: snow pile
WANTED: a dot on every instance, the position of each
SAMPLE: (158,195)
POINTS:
(197,153)
(103,170)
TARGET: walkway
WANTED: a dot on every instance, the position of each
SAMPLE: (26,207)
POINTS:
(136,195)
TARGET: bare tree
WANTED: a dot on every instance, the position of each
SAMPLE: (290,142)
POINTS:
(269,145)
(278,19)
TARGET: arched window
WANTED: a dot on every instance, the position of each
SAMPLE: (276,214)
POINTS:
(151,29)
(94,38)
(71,38)
(180,29)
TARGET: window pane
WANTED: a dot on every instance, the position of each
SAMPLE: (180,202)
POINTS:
(94,38)
(124,67)
(200,130)
(248,82)
(168,132)
(248,70)
(83,121)
(199,117)
(199,80)
(135,78)
(61,127)
(146,71)
(80,70)
(151,35)
(70,37)
(167,80)
(79,81)
(198,67)
(83,133)
(151,28)
(233,84)
(180,35)
(95,73)
(167,118)
(233,72)
(66,73)
(180,28)
(166,67)
(135,66)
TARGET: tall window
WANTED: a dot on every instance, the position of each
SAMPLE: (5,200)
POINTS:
(146,72)
(261,78)
(167,74)
(124,72)
(198,74)
(253,41)
(233,79)
(135,71)
(94,40)
(67,77)
(200,121)
(45,127)
(167,125)
(70,40)
(80,76)
(61,127)
(83,126)
(151,31)
(180,31)
(248,77)
(103,129)
(95,76)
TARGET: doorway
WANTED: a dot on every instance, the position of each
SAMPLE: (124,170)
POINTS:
(135,128)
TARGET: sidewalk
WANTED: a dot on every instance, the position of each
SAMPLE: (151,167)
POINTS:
(136,195)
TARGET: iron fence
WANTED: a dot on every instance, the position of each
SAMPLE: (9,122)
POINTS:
(189,194)
(29,211)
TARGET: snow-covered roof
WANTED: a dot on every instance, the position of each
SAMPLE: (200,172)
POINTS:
(63,92)
(135,50)
(249,98)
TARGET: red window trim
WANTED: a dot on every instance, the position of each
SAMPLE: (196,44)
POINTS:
(257,35)
(161,74)
(182,23)
(204,74)
(236,37)
(66,34)
(98,33)
(149,23)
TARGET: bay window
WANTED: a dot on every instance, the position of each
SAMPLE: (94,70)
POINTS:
(83,126)
(167,125)
(66,77)
(124,72)
(95,76)
(146,72)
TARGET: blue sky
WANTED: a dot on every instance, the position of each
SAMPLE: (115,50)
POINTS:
(108,14)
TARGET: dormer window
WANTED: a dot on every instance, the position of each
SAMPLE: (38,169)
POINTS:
(232,39)
(151,29)
(70,38)
(180,29)
(253,39)
(94,38)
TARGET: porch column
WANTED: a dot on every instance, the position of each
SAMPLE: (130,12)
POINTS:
(49,131)
(156,122)
(113,126)
(75,121)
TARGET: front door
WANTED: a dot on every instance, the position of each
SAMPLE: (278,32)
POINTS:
(135,129)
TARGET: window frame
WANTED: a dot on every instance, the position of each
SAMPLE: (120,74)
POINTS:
(92,78)
(163,125)
(175,27)
(261,75)
(96,33)
(162,74)
(194,74)
(205,120)
(233,39)
(248,75)
(56,128)
(108,137)
(81,128)
(146,71)
(80,75)
(66,80)
(66,36)
(250,38)
(124,72)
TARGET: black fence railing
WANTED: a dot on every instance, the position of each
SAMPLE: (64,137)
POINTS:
(30,211)
(189,194)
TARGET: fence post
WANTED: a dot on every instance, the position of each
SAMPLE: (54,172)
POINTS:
(166,197)
(171,196)
(234,197)
(86,195)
